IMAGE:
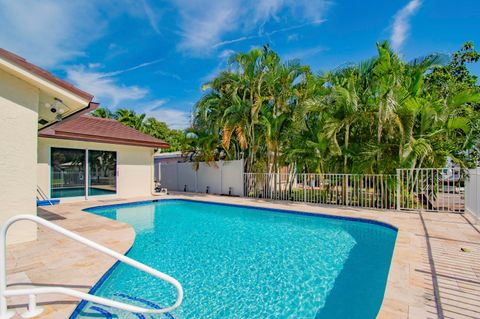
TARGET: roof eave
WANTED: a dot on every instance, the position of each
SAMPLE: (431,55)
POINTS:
(100,139)
(89,108)
(24,69)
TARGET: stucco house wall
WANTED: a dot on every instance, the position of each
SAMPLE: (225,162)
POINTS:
(134,165)
(18,158)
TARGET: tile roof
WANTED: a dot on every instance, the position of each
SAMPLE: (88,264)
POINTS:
(95,129)
(44,74)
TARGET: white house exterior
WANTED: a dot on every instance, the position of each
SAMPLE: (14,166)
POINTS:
(33,100)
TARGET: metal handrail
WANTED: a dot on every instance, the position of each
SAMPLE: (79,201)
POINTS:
(41,193)
(33,310)
(43,196)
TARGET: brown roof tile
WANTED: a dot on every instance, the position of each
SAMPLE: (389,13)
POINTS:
(95,129)
(44,74)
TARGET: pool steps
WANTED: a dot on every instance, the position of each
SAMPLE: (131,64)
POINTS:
(32,292)
(109,315)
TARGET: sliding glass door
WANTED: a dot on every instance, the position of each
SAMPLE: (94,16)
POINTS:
(102,169)
(69,169)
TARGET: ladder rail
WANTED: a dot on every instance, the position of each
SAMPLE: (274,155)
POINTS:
(32,292)
(42,193)
(43,196)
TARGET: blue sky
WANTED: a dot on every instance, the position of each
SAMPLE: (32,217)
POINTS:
(153,56)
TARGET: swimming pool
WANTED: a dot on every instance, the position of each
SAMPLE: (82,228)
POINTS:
(245,262)
(80,191)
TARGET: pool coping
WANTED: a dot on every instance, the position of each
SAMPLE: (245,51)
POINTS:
(83,303)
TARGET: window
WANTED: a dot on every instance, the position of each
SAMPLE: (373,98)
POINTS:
(102,168)
(68,173)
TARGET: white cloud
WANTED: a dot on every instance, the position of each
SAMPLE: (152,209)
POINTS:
(205,23)
(168,112)
(293,37)
(152,106)
(169,74)
(226,54)
(304,53)
(401,23)
(211,74)
(51,32)
(104,87)
(175,119)
(48,32)
(266,34)
(151,15)
(298,26)
(239,39)
(95,65)
(138,66)
(112,94)
(223,58)
(306,10)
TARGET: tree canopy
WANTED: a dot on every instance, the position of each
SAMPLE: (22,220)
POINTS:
(150,125)
(372,117)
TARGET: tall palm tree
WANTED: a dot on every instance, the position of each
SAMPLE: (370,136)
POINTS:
(130,118)
(372,117)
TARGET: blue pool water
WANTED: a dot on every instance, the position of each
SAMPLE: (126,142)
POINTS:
(240,262)
(79,191)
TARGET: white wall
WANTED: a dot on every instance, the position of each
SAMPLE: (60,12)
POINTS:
(472,192)
(219,177)
(186,176)
(18,154)
(210,176)
(134,165)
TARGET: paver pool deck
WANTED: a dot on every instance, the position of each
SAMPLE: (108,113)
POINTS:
(435,271)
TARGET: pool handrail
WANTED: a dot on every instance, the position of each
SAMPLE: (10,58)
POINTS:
(33,310)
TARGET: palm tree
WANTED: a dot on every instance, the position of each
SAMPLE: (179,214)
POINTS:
(130,118)
(372,117)
(103,113)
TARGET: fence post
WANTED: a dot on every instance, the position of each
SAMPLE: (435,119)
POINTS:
(398,189)
(346,189)
(304,190)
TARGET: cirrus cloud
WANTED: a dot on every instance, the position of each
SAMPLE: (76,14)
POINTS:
(203,29)
(401,23)
(48,32)
(103,86)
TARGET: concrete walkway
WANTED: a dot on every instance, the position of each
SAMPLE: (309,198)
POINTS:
(435,271)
